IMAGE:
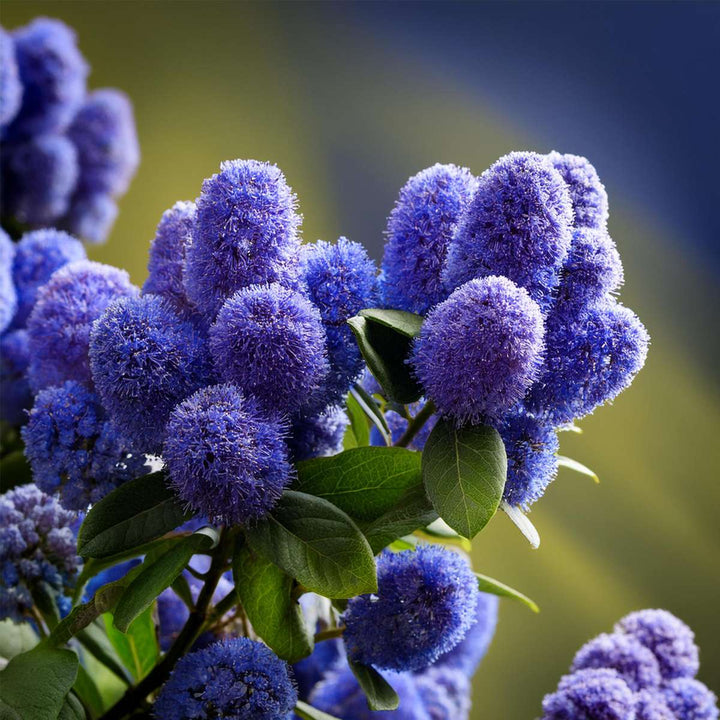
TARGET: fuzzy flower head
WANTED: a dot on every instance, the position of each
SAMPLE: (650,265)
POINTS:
(236,679)
(479,350)
(669,638)
(73,449)
(246,233)
(91,216)
(531,446)
(269,341)
(226,458)
(419,231)
(167,256)
(651,705)
(53,75)
(397,425)
(445,693)
(37,256)
(15,395)
(689,699)
(37,545)
(145,360)
(588,195)
(60,323)
(424,606)
(326,656)
(8,294)
(518,224)
(590,695)
(11,89)
(318,435)
(591,357)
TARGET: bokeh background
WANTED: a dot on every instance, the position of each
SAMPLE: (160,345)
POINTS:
(351,99)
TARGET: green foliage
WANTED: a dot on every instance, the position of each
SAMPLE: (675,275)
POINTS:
(358,422)
(137,647)
(495,587)
(378,691)
(577,467)
(307,712)
(369,406)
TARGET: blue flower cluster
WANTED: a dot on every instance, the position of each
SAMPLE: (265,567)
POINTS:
(644,670)
(516,274)
(67,154)
(37,548)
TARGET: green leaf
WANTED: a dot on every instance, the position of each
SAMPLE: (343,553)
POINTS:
(317,544)
(14,470)
(95,640)
(495,587)
(464,471)
(363,482)
(577,467)
(358,422)
(386,351)
(370,407)
(158,574)
(307,712)
(523,523)
(86,689)
(133,514)
(266,595)
(137,648)
(405,323)
(72,708)
(34,684)
(379,693)
(16,639)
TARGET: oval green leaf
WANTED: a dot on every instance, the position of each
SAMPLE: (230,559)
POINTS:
(378,691)
(495,587)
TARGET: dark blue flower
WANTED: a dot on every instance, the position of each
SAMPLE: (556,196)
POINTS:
(8,294)
(651,705)
(318,435)
(327,655)
(15,394)
(11,89)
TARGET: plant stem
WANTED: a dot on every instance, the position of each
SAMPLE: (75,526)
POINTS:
(329,634)
(193,627)
(416,424)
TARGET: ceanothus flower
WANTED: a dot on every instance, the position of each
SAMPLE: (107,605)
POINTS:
(37,545)
(270,342)
(591,357)
(15,394)
(651,705)
(226,458)
(144,361)
(588,195)
(318,435)
(326,656)
(341,281)
(668,637)
(39,177)
(424,606)
(637,665)
(518,225)
(91,216)
(73,448)
(444,692)
(167,256)
(8,294)
(397,425)
(53,74)
(592,694)
(689,699)
(246,233)
(37,256)
(59,326)
(103,131)
(479,350)
(531,446)
(11,89)
(419,231)
(236,679)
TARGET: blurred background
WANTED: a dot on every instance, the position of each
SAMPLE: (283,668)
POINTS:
(351,99)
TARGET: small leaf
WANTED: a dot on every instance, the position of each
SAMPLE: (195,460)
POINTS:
(368,405)
(308,712)
(34,685)
(379,693)
(358,422)
(86,689)
(577,467)
(137,648)
(522,523)
(133,514)
(72,708)
(95,640)
(406,323)
(317,544)
(464,471)
(14,470)
(364,482)
(266,595)
(495,587)
(181,588)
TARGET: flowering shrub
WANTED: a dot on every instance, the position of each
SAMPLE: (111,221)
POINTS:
(278,455)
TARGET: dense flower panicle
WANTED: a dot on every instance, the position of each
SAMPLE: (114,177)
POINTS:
(236,679)
(318,435)
(37,545)
(650,705)
(53,75)
(689,699)
(167,256)
(590,694)
(8,294)
(668,637)
(424,606)
(444,693)
(91,216)
(15,394)
(144,361)
(518,225)
(103,132)
(591,357)
(226,458)
(479,350)
(60,323)
(397,425)
(327,656)
(73,449)
(269,341)
(10,86)
(637,665)
(531,446)
(246,233)
(37,256)
(588,195)
(419,231)
(39,177)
